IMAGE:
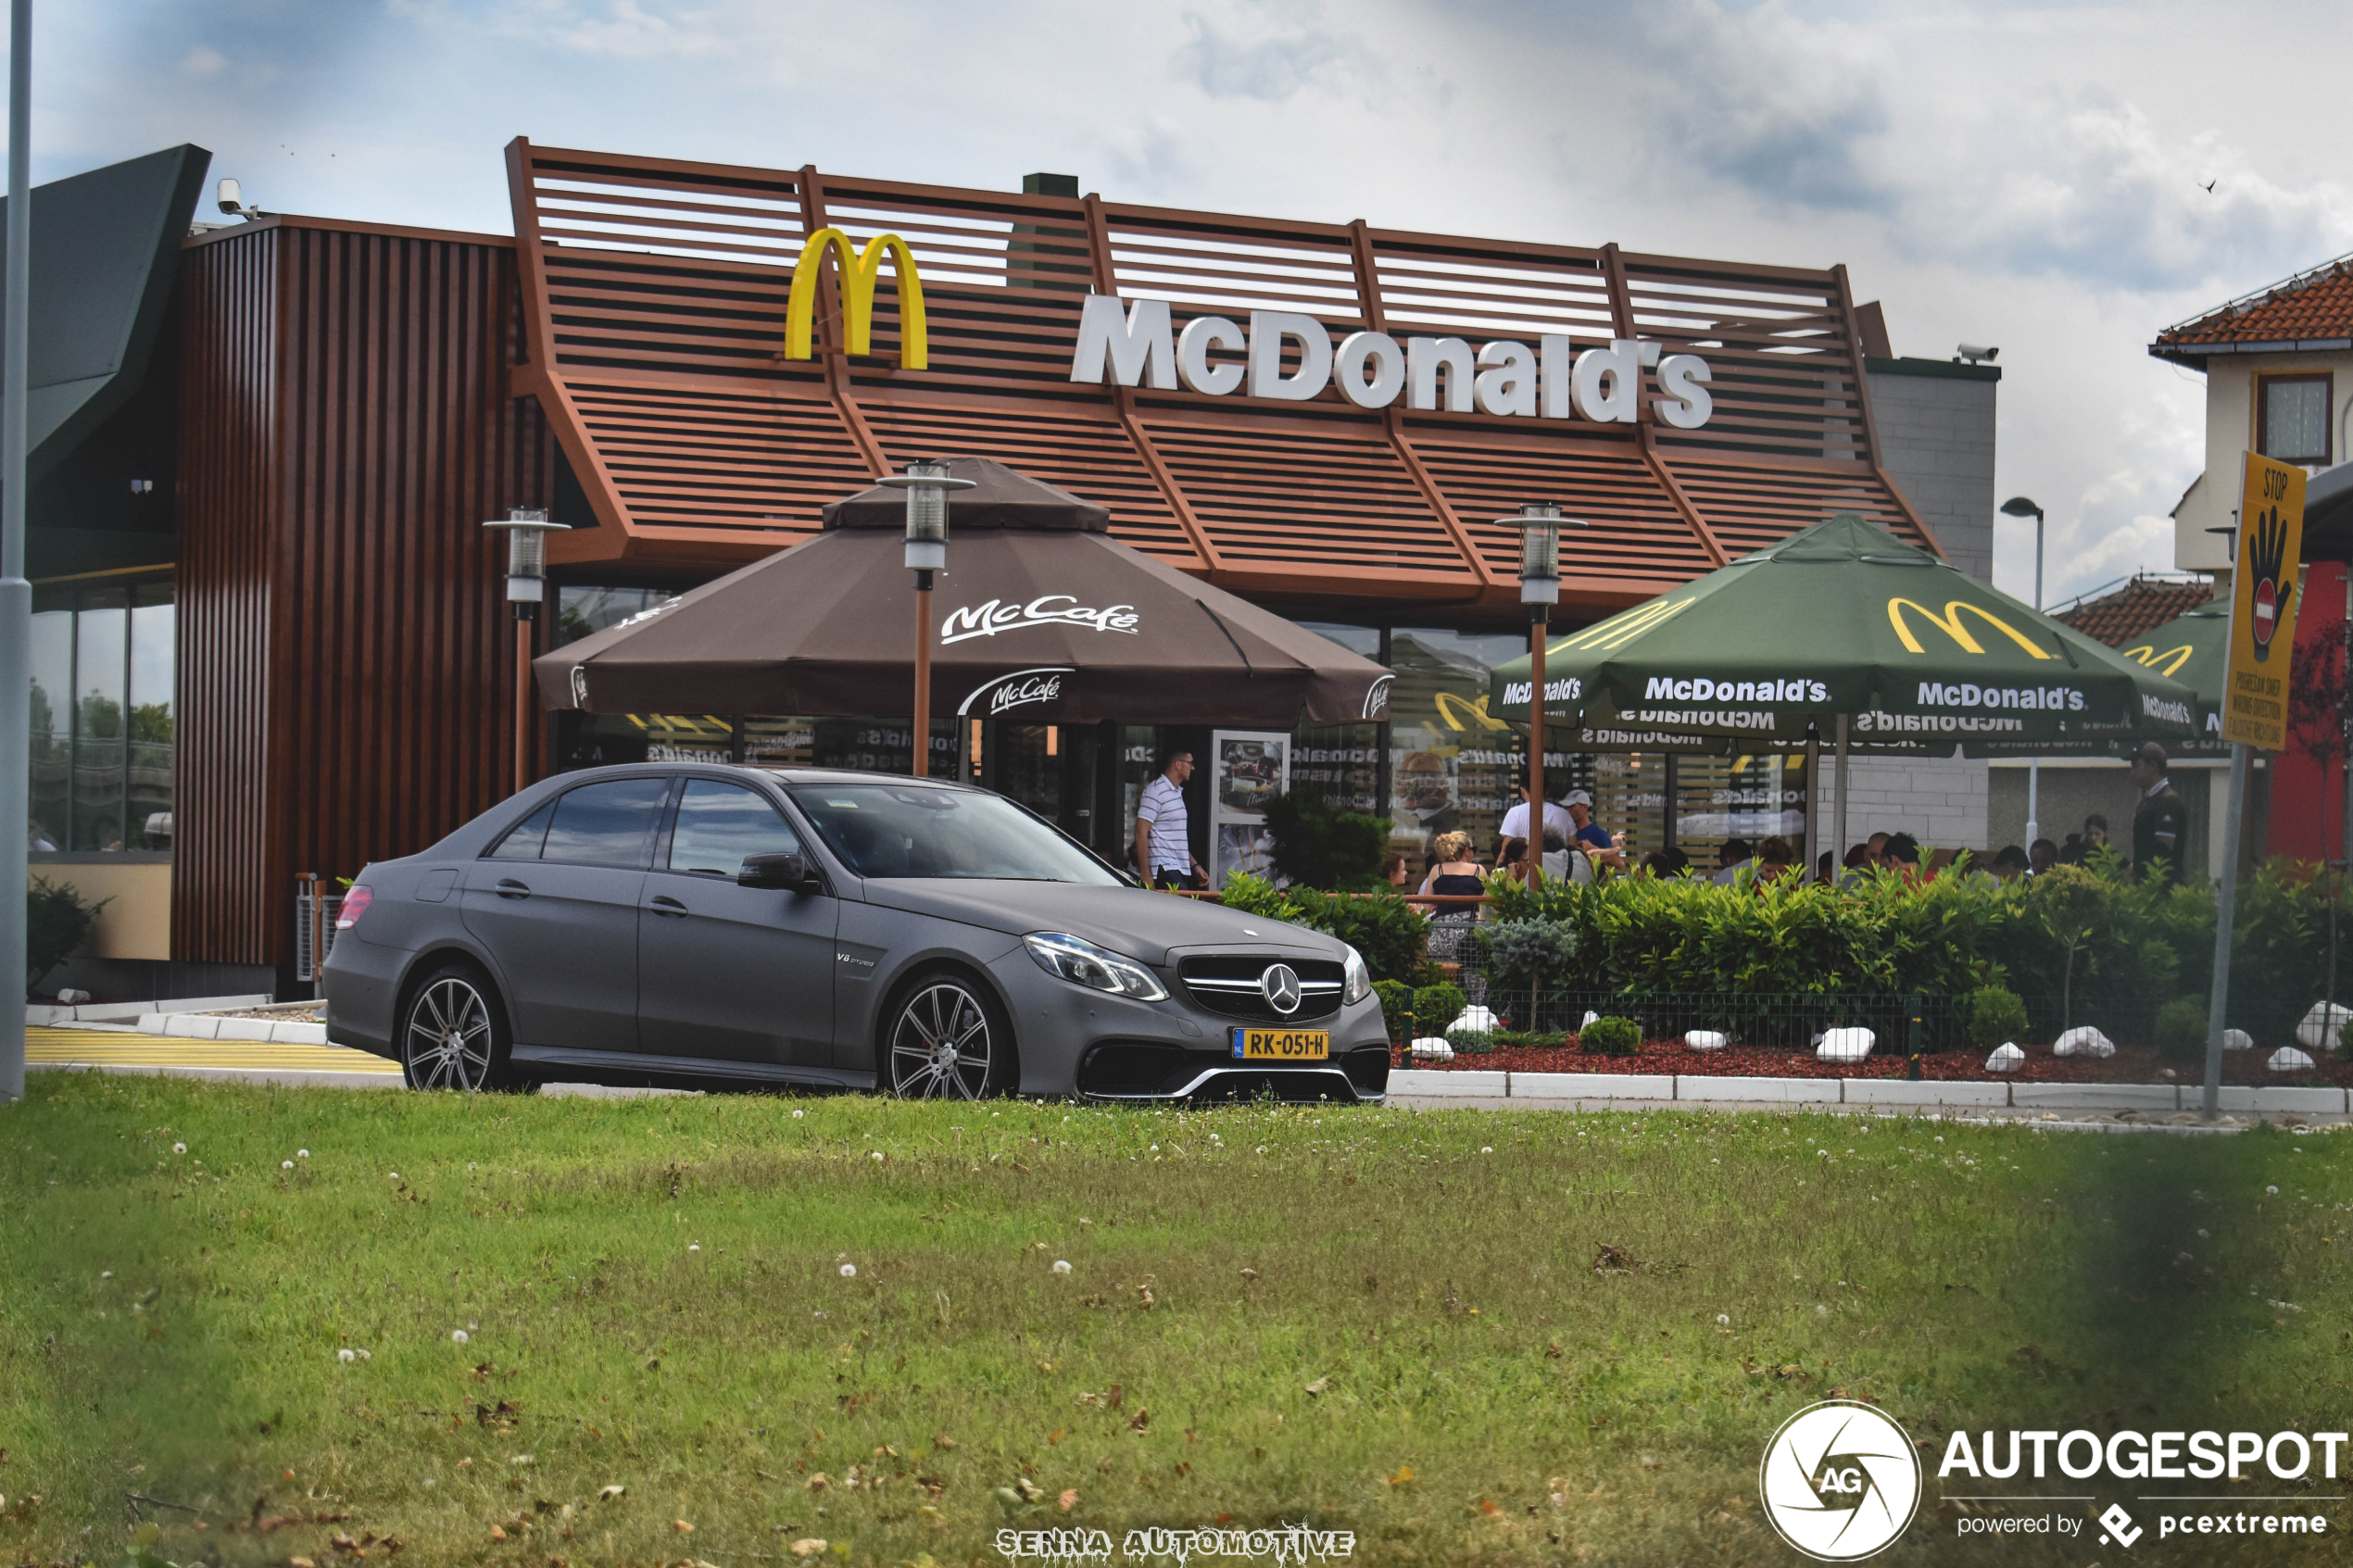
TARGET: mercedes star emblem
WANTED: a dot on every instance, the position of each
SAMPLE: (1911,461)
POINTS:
(1280,988)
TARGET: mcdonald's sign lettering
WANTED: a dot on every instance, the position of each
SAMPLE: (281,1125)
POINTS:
(859,275)
(1950,621)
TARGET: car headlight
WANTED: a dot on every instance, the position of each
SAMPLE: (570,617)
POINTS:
(1080,962)
(1359,979)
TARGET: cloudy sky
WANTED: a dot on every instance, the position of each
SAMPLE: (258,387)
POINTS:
(2031,175)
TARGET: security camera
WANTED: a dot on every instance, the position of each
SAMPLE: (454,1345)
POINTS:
(1974,353)
(232,199)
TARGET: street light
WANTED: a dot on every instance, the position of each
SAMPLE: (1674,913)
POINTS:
(2020,505)
(1539,524)
(526,528)
(927,485)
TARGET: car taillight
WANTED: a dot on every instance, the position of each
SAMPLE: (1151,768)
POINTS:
(354,904)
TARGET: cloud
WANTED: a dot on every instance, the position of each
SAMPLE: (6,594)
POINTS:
(203,62)
(1253,58)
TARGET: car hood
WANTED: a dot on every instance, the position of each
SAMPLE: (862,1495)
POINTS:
(1134,921)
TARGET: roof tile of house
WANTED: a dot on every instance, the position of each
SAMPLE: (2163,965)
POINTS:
(2314,305)
(2116,618)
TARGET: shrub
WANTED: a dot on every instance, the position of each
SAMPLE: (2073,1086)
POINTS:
(1610,1037)
(58,920)
(2181,1029)
(1435,1007)
(1396,1003)
(1256,895)
(1522,954)
(1319,845)
(1996,1016)
(2345,1036)
(1472,1042)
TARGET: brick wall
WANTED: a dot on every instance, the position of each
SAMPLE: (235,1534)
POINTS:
(1936,436)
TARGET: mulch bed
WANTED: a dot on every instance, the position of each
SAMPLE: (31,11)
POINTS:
(2131,1064)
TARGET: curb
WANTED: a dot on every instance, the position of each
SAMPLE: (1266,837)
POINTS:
(1957,1094)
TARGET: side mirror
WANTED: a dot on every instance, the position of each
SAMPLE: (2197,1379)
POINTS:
(789,871)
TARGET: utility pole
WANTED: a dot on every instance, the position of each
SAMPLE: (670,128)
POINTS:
(16,594)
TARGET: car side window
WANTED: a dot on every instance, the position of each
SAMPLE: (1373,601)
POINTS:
(606,824)
(719,824)
(523,841)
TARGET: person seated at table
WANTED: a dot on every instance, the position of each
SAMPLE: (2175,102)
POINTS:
(1666,864)
(1564,861)
(1731,860)
(2041,856)
(1775,859)
(1903,856)
(2009,863)
(1392,871)
(1510,861)
(1826,867)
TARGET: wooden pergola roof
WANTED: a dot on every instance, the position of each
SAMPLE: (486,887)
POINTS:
(655,297)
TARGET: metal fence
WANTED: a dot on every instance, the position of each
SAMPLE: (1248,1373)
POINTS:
(315,913)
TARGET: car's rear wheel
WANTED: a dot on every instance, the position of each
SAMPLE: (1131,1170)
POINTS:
(947,1040)
(453,1033)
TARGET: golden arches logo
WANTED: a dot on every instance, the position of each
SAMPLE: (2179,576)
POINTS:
(859,275)
(1454,710)
(2169,662)
(1624,627)
(1951,623)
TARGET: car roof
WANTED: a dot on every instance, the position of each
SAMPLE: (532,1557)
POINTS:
(782,774)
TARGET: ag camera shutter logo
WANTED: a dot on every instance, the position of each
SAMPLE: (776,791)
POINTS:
(1840,1481)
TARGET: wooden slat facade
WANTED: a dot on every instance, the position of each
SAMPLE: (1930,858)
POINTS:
(346,660)
(654,305)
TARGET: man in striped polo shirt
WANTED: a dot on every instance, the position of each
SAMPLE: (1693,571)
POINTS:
(1164,843)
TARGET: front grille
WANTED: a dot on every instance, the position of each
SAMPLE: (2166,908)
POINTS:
(1228,984)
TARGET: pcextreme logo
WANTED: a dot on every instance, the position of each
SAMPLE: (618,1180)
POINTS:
(1951,624)
(859,275)
(1840,1481)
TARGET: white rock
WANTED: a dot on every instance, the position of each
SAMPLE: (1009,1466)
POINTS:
(1590,1018)
(2320,1026)
(2006,1058)
(1845,1044)
(1475,1021)
(2287,1058)
(2084,1040)
(1706,1040)
(1432,1048)
(2237,1040)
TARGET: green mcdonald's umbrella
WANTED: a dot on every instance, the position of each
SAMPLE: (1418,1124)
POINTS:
(2194,649)
(1845,621)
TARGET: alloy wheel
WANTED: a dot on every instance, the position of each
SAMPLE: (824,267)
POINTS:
(940,1047)
(449,1042)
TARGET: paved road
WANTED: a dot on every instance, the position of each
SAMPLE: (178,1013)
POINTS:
(250,1061)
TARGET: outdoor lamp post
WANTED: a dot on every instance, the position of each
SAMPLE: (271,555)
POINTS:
(2020,505)
(526,528)
(927,485)
(1539,524)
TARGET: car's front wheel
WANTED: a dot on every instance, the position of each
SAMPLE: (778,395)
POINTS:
(947,1040)
(453,1035)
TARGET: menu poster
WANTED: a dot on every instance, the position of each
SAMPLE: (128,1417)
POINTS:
(1250,769)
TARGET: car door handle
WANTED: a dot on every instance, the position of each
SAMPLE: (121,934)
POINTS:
(510,888)
(663,904)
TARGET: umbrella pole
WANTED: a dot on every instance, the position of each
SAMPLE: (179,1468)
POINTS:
(1537,797)
(922,737)
(1814,800)
(1837,812)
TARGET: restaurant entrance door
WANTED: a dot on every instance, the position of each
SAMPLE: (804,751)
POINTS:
(1062,771)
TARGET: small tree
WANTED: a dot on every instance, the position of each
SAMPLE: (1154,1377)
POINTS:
(1319,845)
(2070,902)
(58,920)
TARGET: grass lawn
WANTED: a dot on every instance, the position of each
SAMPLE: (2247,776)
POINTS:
(1377,1320)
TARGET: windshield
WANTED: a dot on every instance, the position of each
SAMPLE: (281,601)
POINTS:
(906,830)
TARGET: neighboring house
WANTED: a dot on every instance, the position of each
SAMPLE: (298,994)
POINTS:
(2279,381)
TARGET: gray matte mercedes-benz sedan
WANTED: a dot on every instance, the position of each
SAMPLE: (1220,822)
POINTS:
(706,924)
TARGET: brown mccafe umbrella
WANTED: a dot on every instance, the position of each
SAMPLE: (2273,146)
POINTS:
(1041,617)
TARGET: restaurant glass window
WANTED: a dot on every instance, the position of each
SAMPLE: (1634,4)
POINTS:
(583,609)
(1751,798)
(1451,763)
(101,732)
(1629,796)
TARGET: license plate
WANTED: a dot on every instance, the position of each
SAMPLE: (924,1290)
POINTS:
(1283,1044)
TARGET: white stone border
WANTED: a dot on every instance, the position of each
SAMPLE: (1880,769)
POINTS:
(1954,1093)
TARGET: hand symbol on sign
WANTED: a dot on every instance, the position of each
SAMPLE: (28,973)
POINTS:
(2270,597)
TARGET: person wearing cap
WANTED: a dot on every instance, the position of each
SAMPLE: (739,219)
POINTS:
(1601,847)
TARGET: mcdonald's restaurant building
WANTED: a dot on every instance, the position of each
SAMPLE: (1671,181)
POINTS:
(271,636)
